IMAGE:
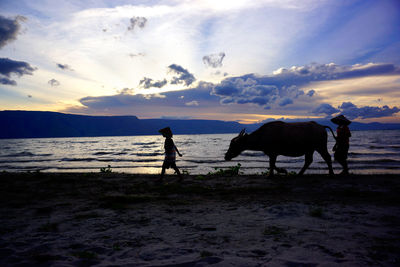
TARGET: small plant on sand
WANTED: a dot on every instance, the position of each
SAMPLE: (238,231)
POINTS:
(185,172)
(316,212)
(200,177)
(106,169)
(230,171)
(205,254)
(273,230)
(86,255)
(276,232)
(116,247)
(48,227)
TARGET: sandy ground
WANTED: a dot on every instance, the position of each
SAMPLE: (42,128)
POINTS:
(129,220)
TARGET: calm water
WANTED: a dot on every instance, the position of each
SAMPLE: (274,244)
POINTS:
(370,152)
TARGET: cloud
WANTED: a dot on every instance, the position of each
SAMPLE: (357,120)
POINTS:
(244,90)
(310,93)
(284,85)
(9,29)
(214,60)
(10,67)
(137,22)
(176,117)
(192,103)
(183,75)
(352,111)
(132,55)
(64,67)
(53,82)
(148,83)
(285,101)
(283,93)
(325,109)
(7,81)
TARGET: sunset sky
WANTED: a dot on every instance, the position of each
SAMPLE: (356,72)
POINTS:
(244,61)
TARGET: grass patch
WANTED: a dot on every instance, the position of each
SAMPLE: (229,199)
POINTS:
(106,169)
(230,171)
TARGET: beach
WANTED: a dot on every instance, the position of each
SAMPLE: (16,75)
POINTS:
(117,219)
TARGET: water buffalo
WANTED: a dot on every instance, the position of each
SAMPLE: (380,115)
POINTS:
(287,139)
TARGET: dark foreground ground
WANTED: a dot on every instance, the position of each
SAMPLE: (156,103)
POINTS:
(112,219)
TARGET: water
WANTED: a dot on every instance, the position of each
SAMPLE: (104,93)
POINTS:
(371,152)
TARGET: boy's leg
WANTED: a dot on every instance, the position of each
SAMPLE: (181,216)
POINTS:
(177,172)
(162,173)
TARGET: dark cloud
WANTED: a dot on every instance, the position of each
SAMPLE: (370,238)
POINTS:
(183,99)
(53,82)
(214,60)
(183,75)
(352,111)
(310,93)
(285,84)
(137,22)
(64,67)
(10,67)
(245,90)
(285,101)
(7,81)
(281,92)
(126,91)
(9,29)
(325,109)
(149,83)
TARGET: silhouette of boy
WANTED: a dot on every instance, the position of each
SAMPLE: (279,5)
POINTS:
(342,145)
(170,154)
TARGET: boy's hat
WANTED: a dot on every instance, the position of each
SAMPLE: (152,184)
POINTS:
(340,120)
(166,132)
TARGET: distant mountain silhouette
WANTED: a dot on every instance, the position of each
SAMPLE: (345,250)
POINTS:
(34,124)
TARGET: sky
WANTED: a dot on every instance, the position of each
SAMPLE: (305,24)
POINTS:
(233,60)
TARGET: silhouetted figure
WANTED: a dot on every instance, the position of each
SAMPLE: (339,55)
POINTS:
(342,145)
(287,139)
(170,154)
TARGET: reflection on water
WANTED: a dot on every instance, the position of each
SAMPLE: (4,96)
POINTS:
(370,152)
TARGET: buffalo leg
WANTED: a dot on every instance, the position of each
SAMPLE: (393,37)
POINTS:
(327,157)
(272,160)
(308,160)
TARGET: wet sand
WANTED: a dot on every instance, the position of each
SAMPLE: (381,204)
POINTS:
(111,219)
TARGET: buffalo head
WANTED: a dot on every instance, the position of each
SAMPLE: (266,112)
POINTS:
(237,146)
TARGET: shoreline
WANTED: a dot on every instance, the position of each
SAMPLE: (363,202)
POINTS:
(122,219)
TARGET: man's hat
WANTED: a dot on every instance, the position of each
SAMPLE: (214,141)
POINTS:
(340,120)
(166,132)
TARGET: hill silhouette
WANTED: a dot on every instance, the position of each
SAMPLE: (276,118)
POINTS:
(35,124)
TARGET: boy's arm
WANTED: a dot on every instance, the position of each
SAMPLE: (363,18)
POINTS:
(176,149)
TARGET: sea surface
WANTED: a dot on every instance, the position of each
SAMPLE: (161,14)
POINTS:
(371,152)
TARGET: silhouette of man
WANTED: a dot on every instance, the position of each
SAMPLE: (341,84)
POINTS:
(170,154)
(342,145)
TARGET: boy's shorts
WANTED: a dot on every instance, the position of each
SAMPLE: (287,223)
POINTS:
(169,164)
